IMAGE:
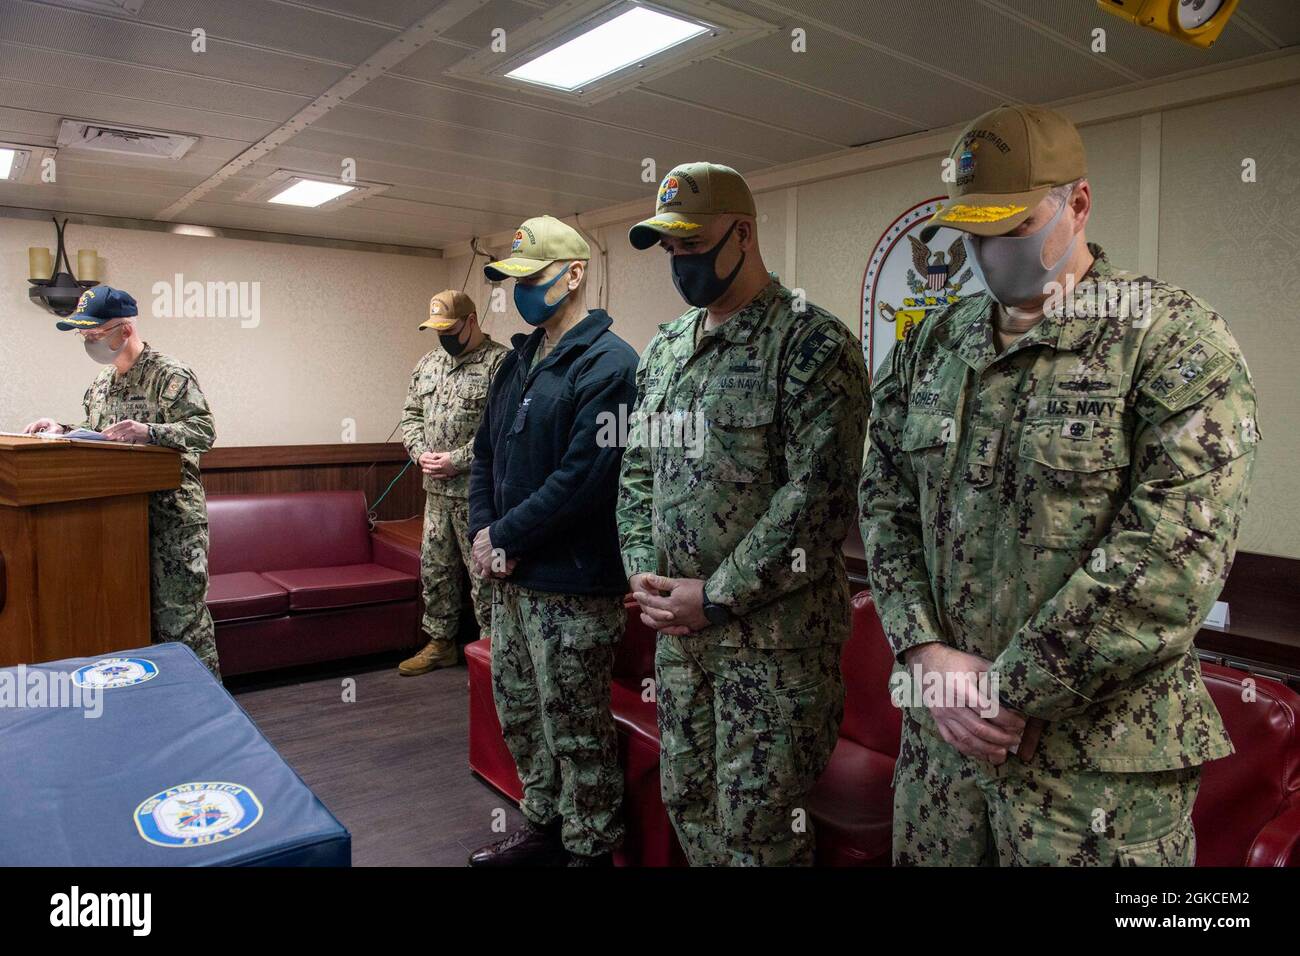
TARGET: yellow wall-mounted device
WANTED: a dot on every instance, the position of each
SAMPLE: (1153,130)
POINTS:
(1198,22)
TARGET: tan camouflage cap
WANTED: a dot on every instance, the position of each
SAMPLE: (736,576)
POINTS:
(537,243)
(691,197)
(447,308)
(1006,162)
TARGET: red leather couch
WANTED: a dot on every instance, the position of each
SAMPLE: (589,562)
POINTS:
(299,578)
(1247,813)
(850,806)
(650,840)
(1248,810)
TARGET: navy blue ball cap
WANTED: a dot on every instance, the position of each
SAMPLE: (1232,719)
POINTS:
(99,304)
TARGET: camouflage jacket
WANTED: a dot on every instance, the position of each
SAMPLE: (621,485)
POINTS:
(444,406)
(164,394)
(758,499)
(1068,510)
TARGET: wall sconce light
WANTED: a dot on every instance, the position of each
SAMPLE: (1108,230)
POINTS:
(56,291)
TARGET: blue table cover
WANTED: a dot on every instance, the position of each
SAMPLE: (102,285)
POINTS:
(172,773)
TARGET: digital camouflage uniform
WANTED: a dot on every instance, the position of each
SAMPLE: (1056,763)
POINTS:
(164,394)
(749,711)
(552,663)
(1067,510)
(444,406)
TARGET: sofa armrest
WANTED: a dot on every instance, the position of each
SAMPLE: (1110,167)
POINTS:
(392,555)
(1278,843)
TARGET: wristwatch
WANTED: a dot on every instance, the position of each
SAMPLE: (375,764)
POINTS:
(716,613)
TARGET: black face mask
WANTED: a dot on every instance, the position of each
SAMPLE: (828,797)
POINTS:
(451,343)
(696,276)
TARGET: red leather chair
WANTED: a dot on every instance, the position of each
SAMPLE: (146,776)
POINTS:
(1248,810)
(489,757)
(852,806)
(299,578)
(649,840)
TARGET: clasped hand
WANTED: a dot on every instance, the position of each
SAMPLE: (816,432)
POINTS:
(670,605)
(962,722)
(485,557)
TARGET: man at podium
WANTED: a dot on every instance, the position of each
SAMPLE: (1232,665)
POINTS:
(143,396)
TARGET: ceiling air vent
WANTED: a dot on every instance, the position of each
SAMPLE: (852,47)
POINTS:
(128,140)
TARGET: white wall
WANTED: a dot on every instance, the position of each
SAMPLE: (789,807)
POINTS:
(336,337)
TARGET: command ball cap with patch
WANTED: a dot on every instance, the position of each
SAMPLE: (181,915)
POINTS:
(691,197)
(536,244)
(98,305)
(1005,163)
(447,308)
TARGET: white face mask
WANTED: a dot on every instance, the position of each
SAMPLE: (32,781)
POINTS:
(1012,268)
(101,351)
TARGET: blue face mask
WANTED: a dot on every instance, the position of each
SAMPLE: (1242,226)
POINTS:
(530,300)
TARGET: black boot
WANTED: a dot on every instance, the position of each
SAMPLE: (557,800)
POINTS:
(530,845)
(600,859)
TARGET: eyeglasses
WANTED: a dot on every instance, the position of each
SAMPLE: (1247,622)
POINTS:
(96,335)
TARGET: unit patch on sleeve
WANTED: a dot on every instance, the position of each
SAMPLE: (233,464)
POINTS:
(1190,376)
(812,355)
(175,385)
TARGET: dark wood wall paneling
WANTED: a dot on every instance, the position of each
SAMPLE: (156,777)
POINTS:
(368,467)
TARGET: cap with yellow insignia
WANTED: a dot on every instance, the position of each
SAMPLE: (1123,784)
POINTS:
(447,308)
(1005,163)
(690,197)
(537,243)
(97,306)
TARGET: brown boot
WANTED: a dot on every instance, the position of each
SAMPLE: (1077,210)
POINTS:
(439,652)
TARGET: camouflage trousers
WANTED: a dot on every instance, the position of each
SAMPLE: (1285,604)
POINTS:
(178,582)
(552,662)
(953,810)
(444,550)
(744,734)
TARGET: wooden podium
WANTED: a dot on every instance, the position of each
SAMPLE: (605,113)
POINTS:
(74,545)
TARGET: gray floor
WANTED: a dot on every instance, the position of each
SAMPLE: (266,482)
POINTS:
(392,766)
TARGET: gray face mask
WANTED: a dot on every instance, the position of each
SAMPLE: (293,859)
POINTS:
(101,351)
(1011,267)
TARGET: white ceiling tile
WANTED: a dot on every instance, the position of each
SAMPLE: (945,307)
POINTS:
(873,77)
(395,13)
(141,44)
(787,107)
(599,128)
(476,29)
(289,27)
(76,72)
(1281,18)
(130,111)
